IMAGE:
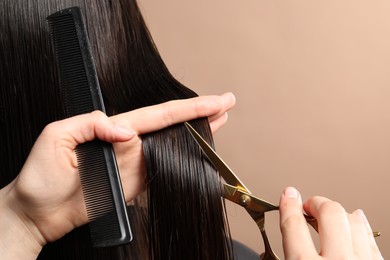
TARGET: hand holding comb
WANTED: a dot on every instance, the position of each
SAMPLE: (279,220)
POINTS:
(100,180)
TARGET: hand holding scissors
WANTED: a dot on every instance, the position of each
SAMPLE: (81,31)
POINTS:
(237,192)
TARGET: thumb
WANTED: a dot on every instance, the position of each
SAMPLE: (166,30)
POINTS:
(297,241)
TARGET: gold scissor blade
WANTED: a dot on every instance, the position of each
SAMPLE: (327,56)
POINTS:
(224,170)
(247,200)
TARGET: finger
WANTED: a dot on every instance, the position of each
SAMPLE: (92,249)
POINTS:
(82,128)
(297,241)
(333,226)
(219,119)
(218,122)
(373,247)
(153,118)
(360,236)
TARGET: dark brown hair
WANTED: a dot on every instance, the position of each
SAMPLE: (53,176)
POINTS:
(185,216)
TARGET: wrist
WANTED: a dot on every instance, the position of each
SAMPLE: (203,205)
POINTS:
(20,239)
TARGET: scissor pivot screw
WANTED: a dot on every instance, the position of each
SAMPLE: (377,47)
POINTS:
(244,200)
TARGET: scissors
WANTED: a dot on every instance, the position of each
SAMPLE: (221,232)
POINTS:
(238,193)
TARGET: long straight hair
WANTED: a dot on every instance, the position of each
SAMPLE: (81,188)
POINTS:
(184,217)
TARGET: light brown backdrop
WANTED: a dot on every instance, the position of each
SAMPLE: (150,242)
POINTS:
(312,81)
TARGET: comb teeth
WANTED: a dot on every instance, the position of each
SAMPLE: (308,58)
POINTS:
(94,179)
(73,73)
(97,166)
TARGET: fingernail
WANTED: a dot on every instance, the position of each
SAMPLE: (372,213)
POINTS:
(124,130)
(291,193)
(229,97)
(362,216)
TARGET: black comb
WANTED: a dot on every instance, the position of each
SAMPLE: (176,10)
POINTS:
(97,166)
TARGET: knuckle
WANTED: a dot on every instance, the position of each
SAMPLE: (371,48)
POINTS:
(209,106)
(50,128)
(97,114)
(291,222)
(56,129)
(331,207)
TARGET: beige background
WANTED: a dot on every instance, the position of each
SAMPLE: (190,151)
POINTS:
(312,81)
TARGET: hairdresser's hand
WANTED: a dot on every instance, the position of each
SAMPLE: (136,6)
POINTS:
(129,154)
(342,235)
(45,201)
